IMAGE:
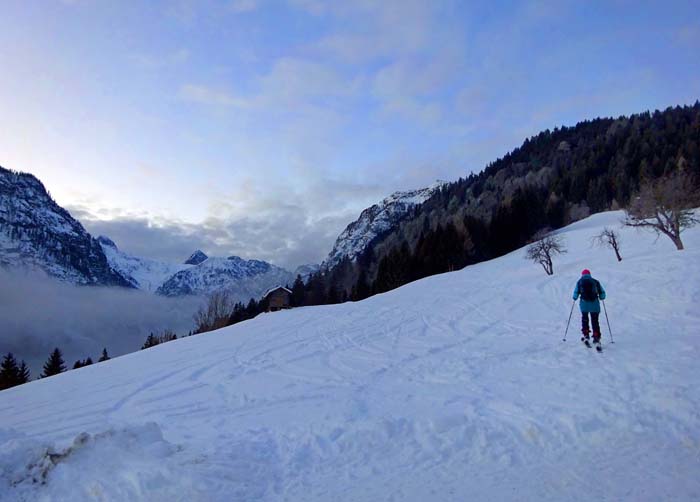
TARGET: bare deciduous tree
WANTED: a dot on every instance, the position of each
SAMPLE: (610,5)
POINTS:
(608,238)
(665,206)
(215,313)
(544,249)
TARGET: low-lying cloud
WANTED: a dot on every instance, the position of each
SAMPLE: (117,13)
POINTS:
(38,313)
(285,228)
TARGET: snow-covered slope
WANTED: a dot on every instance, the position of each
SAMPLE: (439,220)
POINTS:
(245,279)
(142,273)
(36,233)
(456,387)
(375,221)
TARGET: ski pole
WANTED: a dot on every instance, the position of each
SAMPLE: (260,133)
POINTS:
(612,340)
(567,322)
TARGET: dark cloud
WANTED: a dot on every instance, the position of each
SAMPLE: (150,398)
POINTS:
(168,241)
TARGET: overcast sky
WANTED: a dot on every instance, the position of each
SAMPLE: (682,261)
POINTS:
(263,127)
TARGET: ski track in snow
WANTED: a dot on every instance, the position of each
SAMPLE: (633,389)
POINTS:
(456,387)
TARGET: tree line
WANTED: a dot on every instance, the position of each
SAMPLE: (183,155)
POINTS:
(552,179)
(12,373)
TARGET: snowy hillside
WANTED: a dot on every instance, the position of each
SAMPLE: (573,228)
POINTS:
(375,221)
(456,387)
(142,273)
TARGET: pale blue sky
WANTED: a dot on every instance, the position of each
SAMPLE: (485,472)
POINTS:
(262,127)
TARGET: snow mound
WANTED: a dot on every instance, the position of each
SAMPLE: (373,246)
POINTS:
(120,464)
(456,387)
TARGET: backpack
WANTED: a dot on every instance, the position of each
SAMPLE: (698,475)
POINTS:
(588,287)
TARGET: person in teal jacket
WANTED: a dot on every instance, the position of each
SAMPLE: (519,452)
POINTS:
(590,291)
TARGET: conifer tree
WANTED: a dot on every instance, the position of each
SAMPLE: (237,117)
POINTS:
(24,374)
(54,365)
(82,363)
(298,292)
(9,372)
(104,356)
(151,341)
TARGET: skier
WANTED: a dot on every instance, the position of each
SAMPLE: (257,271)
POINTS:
(590,291)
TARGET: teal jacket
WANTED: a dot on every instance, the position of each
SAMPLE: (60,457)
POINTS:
(589,306)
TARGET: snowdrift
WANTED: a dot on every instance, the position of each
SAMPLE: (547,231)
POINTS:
(455,387)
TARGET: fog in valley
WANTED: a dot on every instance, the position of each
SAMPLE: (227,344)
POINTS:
(38,313)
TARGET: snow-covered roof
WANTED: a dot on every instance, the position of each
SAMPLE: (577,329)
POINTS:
(275,289)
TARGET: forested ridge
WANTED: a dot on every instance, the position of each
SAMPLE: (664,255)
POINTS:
(552,179)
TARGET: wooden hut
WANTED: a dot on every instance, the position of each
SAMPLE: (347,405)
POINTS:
(278,298)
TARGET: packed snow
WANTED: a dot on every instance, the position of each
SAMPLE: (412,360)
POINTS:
(456,387)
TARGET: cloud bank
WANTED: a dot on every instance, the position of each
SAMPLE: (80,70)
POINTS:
(38,313)
(285,227)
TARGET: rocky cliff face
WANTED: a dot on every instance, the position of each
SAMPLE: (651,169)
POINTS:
(37,233)
(376,221)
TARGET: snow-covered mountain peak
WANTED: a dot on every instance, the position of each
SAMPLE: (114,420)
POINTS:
(244,279)
(413,197)
(199,276)
(196,258)
(142,273)
(375,221)
(37,233)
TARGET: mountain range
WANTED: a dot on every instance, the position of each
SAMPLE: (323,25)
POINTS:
(554,178)
(35,232)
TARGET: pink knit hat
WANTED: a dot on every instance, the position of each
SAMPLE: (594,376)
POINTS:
(586,272)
